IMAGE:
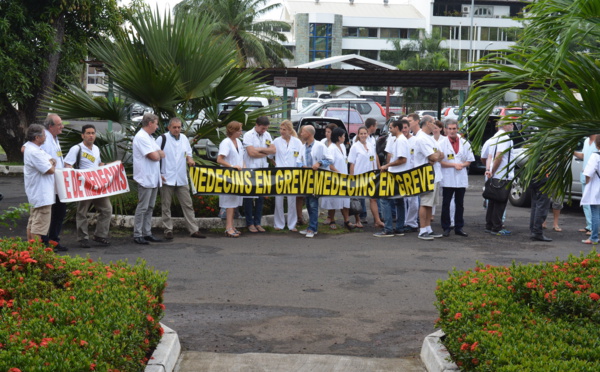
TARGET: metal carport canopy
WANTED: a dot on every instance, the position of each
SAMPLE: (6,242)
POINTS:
(377,78)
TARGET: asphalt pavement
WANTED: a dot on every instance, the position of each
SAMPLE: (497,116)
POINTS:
(343,295)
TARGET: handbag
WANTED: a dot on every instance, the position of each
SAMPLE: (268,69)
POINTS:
(496,190)
(355,206)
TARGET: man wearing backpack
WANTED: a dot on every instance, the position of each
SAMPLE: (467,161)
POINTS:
(173,170)
(84,156)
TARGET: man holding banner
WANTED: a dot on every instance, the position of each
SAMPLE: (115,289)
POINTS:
(86,155)
(316,157)
(258,145)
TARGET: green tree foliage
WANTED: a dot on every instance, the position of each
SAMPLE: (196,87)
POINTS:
(42,42)
(258,43)
(556,66)
(176,66)
(424,53)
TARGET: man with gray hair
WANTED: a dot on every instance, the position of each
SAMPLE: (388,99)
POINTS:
(38,171)
(455,165)
(146,172)
(427,152)
(53,127)
(173,169)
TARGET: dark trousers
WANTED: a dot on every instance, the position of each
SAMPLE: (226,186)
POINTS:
(59,210)
(253,209)
(540,205)
(459,200)
(493,215)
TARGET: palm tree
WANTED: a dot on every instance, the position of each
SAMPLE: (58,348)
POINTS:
(556,57)
(176,66)
(258,43)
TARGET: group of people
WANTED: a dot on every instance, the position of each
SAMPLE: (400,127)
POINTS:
(161,163)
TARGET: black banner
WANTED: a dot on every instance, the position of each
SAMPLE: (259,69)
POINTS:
(306,181)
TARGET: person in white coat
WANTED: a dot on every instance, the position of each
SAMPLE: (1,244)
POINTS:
(339,164)
(289,154)
(231,155)
(174,173)
(591,193)
(455,165)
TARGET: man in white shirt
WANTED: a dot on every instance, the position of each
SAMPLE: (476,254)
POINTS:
(38,172)
(316,156)
(258,144)
(54,127)
(173,169)
(371,125)
(497,168)
(455,166)
(146,172)
(400,153)
(411,203)
(86,155)
(426,152)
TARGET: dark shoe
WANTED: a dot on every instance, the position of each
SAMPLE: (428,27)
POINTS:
(541,238)
(84,243)
(461,233)
(169,235)
(434,235)
(60,248)
(198,235)
(399,232)
(446,233)
(152,239)
(408,229)
(140,240)
(100,240)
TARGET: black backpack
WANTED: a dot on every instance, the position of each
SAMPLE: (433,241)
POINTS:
(380,148)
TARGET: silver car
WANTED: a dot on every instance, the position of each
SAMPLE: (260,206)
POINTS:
(365,107)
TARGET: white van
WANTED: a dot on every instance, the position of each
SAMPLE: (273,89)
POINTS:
(304,102)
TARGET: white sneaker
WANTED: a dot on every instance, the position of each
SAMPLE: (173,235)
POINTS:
(310,234)
(303,232)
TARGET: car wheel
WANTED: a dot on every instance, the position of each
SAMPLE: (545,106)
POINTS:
(519,195)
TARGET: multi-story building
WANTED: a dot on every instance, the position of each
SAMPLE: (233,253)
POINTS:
(327,28)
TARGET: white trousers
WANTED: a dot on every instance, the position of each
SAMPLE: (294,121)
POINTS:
(279,217)
(411,208)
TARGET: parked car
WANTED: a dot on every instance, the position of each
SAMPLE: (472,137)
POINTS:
(252,104)
(320,123)
(508,111)
(366,107)
(303,102)
(422,113)
(351,118)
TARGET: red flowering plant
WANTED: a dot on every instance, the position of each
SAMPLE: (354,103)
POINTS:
(59,313)
(523,317)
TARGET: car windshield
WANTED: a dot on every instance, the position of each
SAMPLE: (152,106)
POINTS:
(353,116)
(513,111)
(309,108)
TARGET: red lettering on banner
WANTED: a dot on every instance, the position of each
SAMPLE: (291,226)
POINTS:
(122,177)
(110,179)
(67,179)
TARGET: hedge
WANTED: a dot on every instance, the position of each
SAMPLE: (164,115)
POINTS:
(59,313)
(542,317)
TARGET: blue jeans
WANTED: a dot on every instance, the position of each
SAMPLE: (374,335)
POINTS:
(390,205)
(363,214)
(253,209)
(312,206)
(595,209)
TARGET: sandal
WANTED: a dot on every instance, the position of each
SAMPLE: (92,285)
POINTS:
(587,241)
(100,240)
(231,233)
(252,229)
(294,229)
(260,229)
(328,222)
(557,229)
(332,226)
(359,225)
(583,230)
(349,225)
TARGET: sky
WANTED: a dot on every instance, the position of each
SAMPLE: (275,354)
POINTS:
(169,4)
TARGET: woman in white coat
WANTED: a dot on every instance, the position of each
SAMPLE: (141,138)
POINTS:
(337,151)
(591,192)
(231,155)
(290,151)
(363,158)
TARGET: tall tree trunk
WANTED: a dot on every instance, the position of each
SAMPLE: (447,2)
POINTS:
(13,126)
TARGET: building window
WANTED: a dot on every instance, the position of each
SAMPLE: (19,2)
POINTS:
(95,75)
(359,32)
(372,54)
(320,41)
(398,33)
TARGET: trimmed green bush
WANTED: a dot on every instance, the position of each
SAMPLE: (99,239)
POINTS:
(542,317)
(59,313)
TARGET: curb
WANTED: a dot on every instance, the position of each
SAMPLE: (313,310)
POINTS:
(11,169)
(434,354)
(167,352)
